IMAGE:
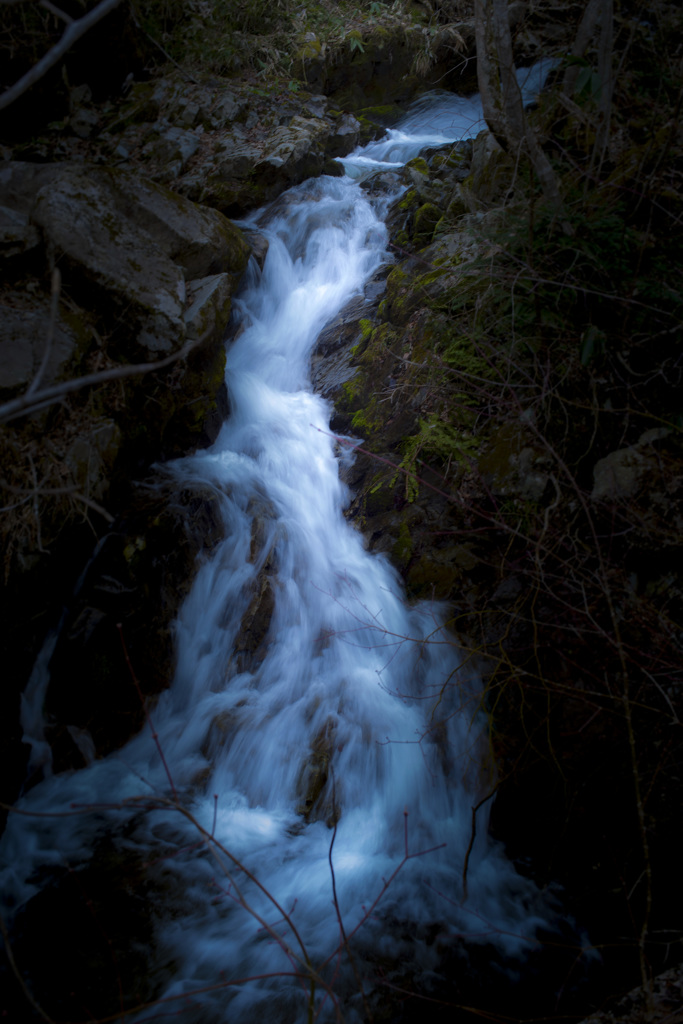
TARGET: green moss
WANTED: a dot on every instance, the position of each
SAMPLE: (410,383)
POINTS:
(418,164)
(351,388)
(436,439)
(366,327)
(366,420)
(426,219)
(409,200)
(383,114)
(430,579)
(309,50)
(379,498)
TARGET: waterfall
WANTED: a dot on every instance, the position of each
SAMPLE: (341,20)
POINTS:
(323,743)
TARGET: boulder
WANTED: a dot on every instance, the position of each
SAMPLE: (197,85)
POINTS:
(346,137)
(210,308)
(97,245)
(622,473)
(125,241)
(294,152)
(247,168)
(202,241)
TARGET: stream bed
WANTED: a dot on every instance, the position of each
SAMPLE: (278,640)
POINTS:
(300,808)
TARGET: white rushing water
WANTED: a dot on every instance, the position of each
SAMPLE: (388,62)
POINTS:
(355,708)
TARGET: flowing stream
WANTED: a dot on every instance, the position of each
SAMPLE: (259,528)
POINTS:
(308,764)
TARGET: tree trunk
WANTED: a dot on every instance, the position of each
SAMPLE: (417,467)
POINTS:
(501,96)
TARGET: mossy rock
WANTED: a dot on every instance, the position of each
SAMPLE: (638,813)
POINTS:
(383,114)
(399,301)
(426,219)
(402,550)
(428,579)
(417,166)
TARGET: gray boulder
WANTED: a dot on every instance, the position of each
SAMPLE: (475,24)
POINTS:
(97,245)
(125,244)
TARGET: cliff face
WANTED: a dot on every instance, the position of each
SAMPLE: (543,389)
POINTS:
(520,378)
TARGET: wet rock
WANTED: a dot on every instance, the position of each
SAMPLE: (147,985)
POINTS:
(250,646)
(333,361)
(315,801)
(259,246)
(346,136)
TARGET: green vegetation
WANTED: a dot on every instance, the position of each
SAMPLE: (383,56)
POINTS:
(271,40)
(439,440)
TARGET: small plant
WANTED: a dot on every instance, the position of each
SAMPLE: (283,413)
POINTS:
(356,42)
(436,439)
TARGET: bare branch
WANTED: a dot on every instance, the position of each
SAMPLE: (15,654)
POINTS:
(72,33)
(56,11)
(29,403)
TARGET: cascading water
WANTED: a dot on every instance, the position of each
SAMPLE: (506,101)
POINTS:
(308,762)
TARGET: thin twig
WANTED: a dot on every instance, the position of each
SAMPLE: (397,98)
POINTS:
(345,941)
(473,835)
